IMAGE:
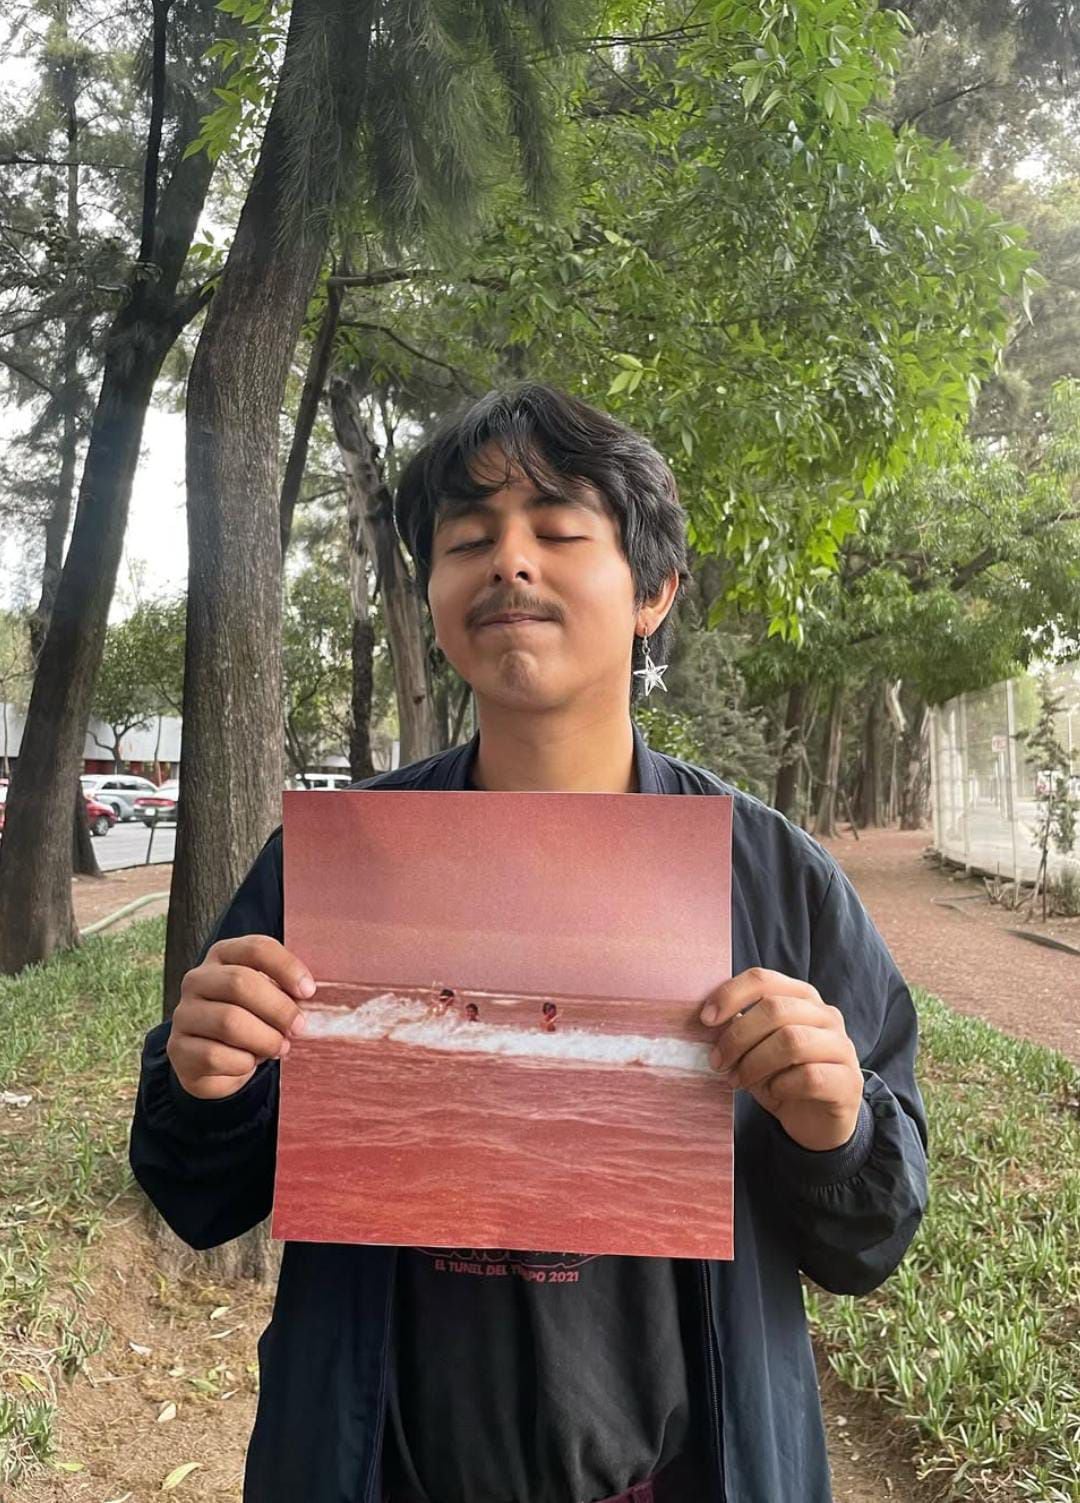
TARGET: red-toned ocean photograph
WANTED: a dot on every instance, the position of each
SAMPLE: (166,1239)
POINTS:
(504,1049)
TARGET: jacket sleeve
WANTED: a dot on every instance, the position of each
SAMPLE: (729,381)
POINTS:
(208,1166)
(852,1211)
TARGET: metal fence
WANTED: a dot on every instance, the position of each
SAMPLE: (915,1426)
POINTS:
(985,788)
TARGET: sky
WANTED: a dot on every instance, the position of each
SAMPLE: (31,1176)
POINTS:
(155,547)
(386,889)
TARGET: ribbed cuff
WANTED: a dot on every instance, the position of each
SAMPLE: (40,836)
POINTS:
(223,1113)
(833,1165)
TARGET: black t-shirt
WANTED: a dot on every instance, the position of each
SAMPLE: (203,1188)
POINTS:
(534,1377)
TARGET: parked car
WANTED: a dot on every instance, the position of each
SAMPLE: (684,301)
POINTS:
(101,817)
(159,807)
(117,789)
(326,781)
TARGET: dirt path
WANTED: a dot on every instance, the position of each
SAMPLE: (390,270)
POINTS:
(97,897)
(963,954)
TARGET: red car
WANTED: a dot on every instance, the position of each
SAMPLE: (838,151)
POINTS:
(102,817)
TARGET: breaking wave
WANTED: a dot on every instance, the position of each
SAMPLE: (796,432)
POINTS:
(404,1022)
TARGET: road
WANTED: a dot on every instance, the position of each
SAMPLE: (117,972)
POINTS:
(126,845)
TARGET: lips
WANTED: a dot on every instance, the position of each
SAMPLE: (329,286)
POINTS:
(511,618)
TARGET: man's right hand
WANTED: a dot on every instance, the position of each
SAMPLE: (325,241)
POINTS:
(235,1010)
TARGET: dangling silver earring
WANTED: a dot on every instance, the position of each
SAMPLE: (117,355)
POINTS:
(652,673)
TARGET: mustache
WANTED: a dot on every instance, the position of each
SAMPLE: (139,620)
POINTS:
(498,605)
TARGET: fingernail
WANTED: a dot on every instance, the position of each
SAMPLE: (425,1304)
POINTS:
(299,1023)
(285,1047)
(306,986)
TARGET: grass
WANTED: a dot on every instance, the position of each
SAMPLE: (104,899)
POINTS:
(70,1034)
(975,1341)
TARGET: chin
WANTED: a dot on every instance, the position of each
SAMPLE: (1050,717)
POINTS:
(519,685)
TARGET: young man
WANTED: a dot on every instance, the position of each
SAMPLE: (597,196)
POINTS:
(551,544)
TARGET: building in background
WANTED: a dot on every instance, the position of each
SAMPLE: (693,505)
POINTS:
(985,790)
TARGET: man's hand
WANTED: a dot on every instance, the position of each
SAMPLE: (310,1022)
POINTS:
(236,1009)
(784,1045)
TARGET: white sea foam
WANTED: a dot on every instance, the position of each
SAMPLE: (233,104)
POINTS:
(405,1022)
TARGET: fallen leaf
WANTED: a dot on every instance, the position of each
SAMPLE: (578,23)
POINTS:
(219,1312)
(168,1413)
(140,1351)
(69,1466)
(176,1372)
(221,1335)
(177,1476)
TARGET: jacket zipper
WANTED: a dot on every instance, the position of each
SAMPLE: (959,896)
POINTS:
(376,1455)
(713,1381)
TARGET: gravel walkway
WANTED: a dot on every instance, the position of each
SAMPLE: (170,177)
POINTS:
(963,954)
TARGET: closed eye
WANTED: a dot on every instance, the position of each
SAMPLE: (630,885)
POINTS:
(482,542)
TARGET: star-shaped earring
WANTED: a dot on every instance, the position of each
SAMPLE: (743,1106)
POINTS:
(652,673)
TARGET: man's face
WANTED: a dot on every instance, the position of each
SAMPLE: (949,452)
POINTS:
(549,556)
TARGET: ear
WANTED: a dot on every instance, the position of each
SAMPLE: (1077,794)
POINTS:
(654,611)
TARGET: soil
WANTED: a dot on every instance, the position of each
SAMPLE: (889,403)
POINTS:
(96,898)
(182,1342)
(947,937)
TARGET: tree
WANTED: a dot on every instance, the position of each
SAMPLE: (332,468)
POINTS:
(158,301)
(1049,760)
(427,101)
(141,671)
(795,302)
(16,672)
(371,528)
(317,666)
(66,141)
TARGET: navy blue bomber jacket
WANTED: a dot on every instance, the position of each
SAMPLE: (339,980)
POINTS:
(844,1218)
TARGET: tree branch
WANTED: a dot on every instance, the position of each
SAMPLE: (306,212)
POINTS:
(937,104)
(388,274)
(8,161)
(356,323)
(13,363)
(153,140)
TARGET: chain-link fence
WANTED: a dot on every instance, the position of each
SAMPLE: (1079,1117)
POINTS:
(985,787)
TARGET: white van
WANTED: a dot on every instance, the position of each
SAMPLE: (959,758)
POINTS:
(327,781)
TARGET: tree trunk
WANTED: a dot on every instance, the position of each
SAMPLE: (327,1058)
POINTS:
(361,762)
(915,757)
(231,771)
(83,856)
(787,775)
(308,410)
(56,527)
(368,496)
(36,915)
(869,807)
(825,823)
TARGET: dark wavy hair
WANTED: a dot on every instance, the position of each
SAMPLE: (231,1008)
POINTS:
(549,433)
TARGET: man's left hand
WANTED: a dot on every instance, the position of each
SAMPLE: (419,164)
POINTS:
(790,1050)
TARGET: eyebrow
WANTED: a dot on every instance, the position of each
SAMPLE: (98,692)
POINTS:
(452,508)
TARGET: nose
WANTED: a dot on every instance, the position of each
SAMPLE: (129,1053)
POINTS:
(512,557)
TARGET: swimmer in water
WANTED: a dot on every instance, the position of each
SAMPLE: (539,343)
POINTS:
(551,1013)
(472,1013)
(445,1000)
